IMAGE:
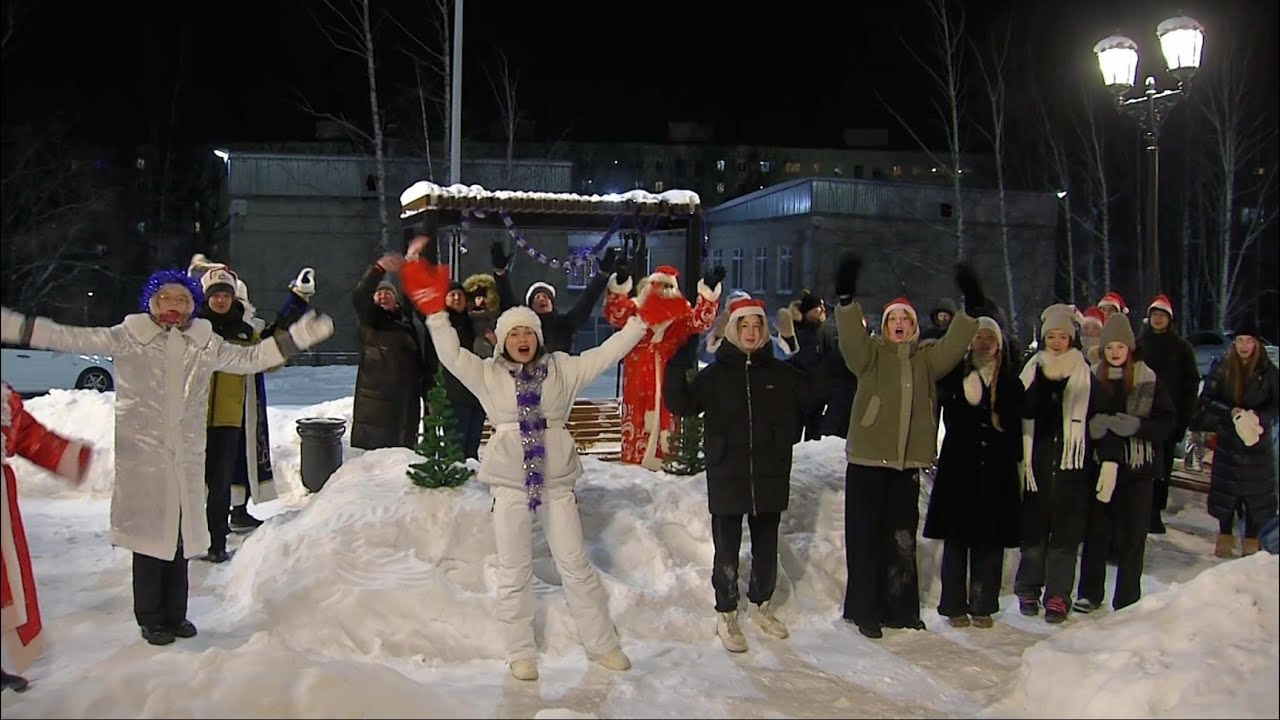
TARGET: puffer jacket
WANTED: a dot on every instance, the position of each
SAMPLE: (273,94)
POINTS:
(493,384)
(162,401)
(893,422)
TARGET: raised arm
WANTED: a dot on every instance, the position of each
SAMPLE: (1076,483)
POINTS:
(857,347)
(588,366)
(307,331)
(44,334)
(42,446)
(947,353)
(618,304)
(461,362)
(362,295)
(580,313)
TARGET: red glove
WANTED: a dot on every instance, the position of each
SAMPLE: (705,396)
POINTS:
(657,309)
(426,285)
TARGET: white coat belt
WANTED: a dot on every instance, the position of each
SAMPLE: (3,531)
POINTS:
(515,426)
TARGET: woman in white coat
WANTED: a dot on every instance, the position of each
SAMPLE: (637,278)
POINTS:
(164,360)
(531,462)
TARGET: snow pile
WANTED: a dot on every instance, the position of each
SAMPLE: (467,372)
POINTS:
(84,415)
(1208,648)
(374,566)
(433,192)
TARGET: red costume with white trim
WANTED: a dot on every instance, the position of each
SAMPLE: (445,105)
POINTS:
(646,422)
(19,609)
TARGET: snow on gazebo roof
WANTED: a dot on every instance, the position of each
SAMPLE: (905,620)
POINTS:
(425,195)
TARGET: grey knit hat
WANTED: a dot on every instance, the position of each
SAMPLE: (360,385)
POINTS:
(1118,329)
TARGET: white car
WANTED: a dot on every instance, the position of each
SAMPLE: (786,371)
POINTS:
(32,372)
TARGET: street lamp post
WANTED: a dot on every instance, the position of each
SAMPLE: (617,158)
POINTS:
(1181,40)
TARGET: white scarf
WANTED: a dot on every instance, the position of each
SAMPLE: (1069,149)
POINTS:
(1075,405)
(982,375)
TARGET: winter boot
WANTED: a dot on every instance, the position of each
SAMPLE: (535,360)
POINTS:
(242,521)
(769,622)
(1226,547)
(157,635)
(185,629)
(983,621)
(1029,605)
(524,669)
(1085,605)
(16,683)
(959,621)
(217,557)
(729,633)
(1055,610)
(1250,547)
(615,660)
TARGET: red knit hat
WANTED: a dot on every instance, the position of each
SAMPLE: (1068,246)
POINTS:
(1115,300)
(1161,302)
(1094,315)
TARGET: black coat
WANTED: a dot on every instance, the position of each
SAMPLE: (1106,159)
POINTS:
(976,491)
(1043,403)
(1156,428)
(397,368)
(558,328)
(1174,362)
(752,407)
(1241,473)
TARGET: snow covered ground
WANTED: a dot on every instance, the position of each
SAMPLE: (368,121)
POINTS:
(374,598)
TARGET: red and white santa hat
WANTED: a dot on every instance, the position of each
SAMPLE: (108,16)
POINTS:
(1093,316)
(1115,300)
(1161,302)
(664,274)
(739,309)
(900,304)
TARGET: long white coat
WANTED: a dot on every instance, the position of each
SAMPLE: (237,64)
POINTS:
(491,382)
(162,403)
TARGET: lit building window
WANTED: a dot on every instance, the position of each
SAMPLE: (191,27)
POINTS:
(792,168)
(719,187)
(720,165)
(897,171)
(766,166)
(657,186)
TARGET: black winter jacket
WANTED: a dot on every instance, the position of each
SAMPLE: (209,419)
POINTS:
(1174,362)
(752,405)
(1156,429)
(397,367)
(976,491)
(558,329)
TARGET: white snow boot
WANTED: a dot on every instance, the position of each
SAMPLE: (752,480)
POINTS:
(614,660)
(729,633)
(524,669)
(769,622)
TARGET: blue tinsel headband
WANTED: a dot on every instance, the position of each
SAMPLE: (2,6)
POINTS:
(172,276)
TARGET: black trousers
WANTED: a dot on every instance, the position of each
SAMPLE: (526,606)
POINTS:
(1053,526)
(970,579)
(160,589)
(881,514)
(811,422)
(1121,524)
(221,444)
(470,427)
(726,536)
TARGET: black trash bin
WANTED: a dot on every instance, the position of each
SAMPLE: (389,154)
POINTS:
(321,449)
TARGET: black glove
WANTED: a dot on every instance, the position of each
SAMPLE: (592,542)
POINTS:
(499,256)
(640,257)
(687,355)
(970,288)
(846,279)
(607,263)
(621,271)
(714,277)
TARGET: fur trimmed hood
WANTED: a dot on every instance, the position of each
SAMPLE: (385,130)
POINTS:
(483,283)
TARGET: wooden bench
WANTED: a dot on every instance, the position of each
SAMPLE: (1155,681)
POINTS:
(1194,480)
(596,426)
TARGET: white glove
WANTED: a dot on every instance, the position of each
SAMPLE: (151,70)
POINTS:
(785,323)
(1248,427)
(305,284)
(311,329)
(1107,481)
(10,325)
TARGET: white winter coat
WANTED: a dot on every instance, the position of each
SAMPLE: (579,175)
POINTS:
(491,382)
(162,406)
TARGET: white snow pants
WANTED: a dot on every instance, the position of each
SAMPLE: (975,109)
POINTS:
(513,531)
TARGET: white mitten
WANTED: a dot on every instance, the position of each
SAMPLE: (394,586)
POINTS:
(305,284)
(311,329)
(973,388)
(1107,481)
(10,325)
(1248,427)
(785,323)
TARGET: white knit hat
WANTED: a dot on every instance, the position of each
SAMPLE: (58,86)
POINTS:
(518,316)
(218,279)
(739,309)
(988,323)
(537,288)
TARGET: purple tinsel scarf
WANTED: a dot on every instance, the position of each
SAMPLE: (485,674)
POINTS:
(532,428)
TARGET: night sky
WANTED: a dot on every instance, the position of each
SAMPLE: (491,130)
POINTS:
(780,73)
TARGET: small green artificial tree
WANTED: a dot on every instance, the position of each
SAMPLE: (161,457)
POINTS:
(439,443)
(686,456)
